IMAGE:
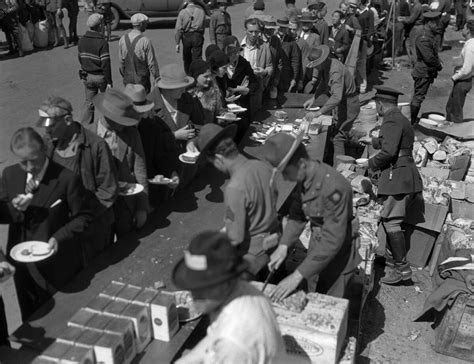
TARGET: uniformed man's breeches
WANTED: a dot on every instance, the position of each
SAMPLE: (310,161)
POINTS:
(421,89)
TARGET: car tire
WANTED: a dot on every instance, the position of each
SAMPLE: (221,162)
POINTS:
(116,19)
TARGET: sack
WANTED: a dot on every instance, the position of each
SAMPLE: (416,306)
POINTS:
(31,30)
(40,39)
(25,40)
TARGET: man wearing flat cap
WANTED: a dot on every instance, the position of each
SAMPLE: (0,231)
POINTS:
(324,198)
(250,216)
(399,183)
(137,56)
(427,63)
(220,25)
(243,325)
(336,80)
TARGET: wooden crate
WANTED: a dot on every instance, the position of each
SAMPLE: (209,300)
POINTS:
(454,336)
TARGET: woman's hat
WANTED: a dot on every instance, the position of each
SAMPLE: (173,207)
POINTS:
(117,106)
(218,59)
(211,134)
(317,55)
(198,67)
(209,260)
(173,77)
(138,95)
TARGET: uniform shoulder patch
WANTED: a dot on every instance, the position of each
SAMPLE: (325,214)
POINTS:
(229,214)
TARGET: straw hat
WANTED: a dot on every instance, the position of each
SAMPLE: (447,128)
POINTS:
(173,77)
(117,106)
(138,95)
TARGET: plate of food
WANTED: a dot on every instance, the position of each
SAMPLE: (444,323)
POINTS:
(428,123)
(316,108)
(185,305)
(31,251)
(129,189)
(189,157)
(236,108)
(436,117)
(228,116)
(159,179)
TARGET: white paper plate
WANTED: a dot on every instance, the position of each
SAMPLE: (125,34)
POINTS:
(23,252)
(361,160)
(428,122)
(436,117)
(185,161)
(164,181)
(132,189)
(226,119)
(316,108)
(236,108)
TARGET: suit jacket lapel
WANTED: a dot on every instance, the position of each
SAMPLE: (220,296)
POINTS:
(47,185)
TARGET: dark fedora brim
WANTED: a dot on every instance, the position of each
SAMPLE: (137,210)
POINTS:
(228,131)
(185,278)
(265,152)
(321,59)
(119,119)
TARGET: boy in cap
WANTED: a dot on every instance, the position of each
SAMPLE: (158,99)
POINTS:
(243,325)
(94,58)
(189,30)
(323,197)
(399,183)
(137,56)
(427,63)
(250,216)
(220,25)
(462,78)
(336,80)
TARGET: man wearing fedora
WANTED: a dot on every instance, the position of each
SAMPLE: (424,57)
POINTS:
(290,68)
(117,126)
(399,185)
(94,58)
(189,30)
(250,216)
(323,197)
(243,325)
(159,145)
(220,25)
(87,155)
(335,79)
(137,60)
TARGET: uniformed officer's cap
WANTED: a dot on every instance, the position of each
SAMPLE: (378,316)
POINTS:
(429,15)
(387,93)
(138,19)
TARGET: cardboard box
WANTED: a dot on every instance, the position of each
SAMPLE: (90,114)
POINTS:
(164,317)
(128,293)
(108,348)
(113,289)
(56,350)
(99,303)
(78,355)
(44,360)
(145,297)
(98,322)
(81,318)
(70,335)
(124,328)
(140,317)
(427,215)
(115,308)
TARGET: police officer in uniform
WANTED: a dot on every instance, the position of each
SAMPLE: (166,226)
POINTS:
(427,63)
(250,217)
(323,197)
(399,183)
(220,24)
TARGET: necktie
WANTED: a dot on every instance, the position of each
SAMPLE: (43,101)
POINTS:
(31,185)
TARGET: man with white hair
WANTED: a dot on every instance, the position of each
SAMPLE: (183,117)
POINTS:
(137,55)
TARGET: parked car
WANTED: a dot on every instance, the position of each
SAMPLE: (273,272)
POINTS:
(124,9)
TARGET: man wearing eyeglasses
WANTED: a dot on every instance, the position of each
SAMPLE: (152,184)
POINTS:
(86,154)
(250,216)
(42,201)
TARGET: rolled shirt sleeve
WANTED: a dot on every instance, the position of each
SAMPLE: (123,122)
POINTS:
(151,59)
(336,86)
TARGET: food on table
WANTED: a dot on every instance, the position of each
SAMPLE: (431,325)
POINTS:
(440,155)
(295,303)
(281,115)
(430,144)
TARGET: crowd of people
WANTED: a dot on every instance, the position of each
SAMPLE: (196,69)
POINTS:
(68,187)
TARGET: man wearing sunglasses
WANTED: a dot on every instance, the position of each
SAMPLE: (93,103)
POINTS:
(250,216)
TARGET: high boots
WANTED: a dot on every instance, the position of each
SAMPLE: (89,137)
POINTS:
(401,270)
(414,110)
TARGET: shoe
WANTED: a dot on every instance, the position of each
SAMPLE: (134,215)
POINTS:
(399,273)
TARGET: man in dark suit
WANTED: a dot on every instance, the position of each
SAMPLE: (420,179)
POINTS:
(42,201)
(399,183)
(339,39)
